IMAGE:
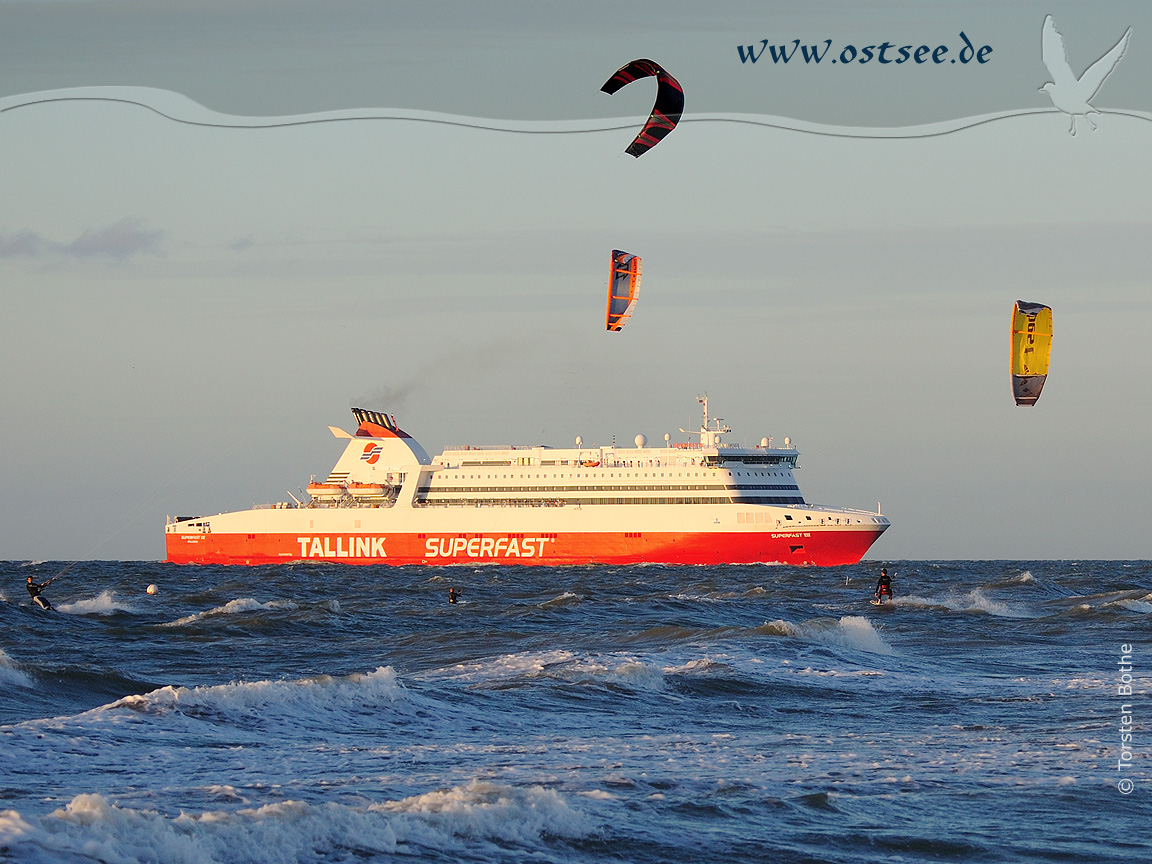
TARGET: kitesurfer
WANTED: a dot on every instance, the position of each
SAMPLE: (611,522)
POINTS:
(453,595)
(883,586)
(34,590)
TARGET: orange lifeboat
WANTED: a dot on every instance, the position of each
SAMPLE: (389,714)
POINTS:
(326,490)
(366,490)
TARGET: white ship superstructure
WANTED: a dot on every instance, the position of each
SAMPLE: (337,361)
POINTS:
(387,502)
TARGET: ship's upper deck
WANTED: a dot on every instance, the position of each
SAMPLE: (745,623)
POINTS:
(709,451)
(613,456)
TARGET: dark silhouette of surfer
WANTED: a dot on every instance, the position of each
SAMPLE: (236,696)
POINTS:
(453,595)
(34,590)
(883,587)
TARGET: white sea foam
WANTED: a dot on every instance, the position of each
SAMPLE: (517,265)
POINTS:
(313,700)
(851,631)
(11,674)
(234,607)
(104,603)
(90,827)
(697,666)
(973,601)
(1141,604)
(483,809)
(508,667)
(835,673)
(622,670)
(225,792)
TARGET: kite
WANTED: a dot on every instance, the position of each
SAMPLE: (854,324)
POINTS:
(665,113)
(623,288)
(1031,349)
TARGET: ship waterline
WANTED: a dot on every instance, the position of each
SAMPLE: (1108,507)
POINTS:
(387,502)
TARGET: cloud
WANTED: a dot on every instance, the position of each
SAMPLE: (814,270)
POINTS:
(117,241)
(24,243)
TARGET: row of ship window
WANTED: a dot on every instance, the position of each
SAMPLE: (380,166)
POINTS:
(423,490)
(559,502)
(450,479)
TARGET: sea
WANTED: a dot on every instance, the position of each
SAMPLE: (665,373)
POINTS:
(995,711)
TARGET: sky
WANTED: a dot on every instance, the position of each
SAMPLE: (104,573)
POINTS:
(189,301)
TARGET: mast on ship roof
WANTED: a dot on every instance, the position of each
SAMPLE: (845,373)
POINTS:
(710,437)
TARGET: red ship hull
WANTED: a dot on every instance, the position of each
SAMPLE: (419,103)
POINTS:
(821,548)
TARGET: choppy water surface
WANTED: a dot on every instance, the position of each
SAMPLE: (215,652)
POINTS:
(328,713)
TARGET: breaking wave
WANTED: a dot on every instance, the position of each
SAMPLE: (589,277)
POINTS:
(973,601)
(104,603)
(310,701)
(1142,604)
(611,670)
(851,631)
(475,820)
(233,607)
(11,674)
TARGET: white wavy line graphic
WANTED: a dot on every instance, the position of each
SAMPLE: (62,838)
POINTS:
(180,109)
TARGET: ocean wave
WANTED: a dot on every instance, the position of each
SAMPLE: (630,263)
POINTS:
(973,601)
(474,819)
(614,670)
(1105,603)
(665,634)
(11,674)
(104,603)
(568,598)
(850,631)
(491,810)
(310,700)
(233,607)
(1142,603)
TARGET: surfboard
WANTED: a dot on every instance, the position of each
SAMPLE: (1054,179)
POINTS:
(878,603)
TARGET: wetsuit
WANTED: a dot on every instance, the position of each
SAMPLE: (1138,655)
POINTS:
(453,595)
(34,590)
(883,587)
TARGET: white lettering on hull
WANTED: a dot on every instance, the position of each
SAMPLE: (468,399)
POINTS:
(486,547)
(358,547)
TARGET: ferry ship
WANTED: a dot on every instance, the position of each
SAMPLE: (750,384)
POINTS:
(387,502)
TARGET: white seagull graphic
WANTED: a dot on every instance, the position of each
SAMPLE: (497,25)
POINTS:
(1070,94)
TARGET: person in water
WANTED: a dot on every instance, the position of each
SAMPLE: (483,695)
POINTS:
(883,586)
(34,590)
(453,595)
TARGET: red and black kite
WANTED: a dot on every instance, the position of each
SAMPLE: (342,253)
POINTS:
(665,113)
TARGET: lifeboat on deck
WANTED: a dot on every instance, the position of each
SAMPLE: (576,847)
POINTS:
(367,490)
(326,490)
